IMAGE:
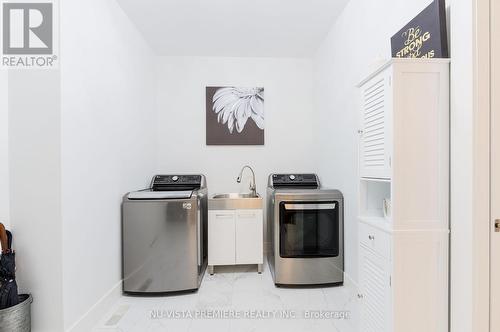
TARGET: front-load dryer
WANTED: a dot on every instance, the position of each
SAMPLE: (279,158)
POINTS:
(305,229)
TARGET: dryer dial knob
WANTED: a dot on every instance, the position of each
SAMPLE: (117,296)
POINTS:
(175,178)
(292,177)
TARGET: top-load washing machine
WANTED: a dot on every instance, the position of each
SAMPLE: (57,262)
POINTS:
(164,235)
(306,230)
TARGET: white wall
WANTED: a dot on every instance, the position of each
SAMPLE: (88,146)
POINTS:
(108,143)
(35,195)
(357,42)
(289,122)
(462,170)
(4,150)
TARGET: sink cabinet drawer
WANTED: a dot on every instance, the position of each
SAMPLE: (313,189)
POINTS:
(375,239)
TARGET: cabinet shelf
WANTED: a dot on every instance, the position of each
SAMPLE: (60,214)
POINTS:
(381,223)
(372,196)
(376,179)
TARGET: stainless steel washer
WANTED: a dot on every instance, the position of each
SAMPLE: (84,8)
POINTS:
(305,228)
(164,235)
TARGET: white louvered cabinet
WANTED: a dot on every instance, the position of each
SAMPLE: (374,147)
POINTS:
(375,287)
(404,158)
(376,103)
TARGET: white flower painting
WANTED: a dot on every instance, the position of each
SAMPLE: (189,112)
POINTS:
(237,116)
(235,106)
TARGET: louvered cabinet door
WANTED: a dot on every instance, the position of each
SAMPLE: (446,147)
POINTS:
(375,144)
(374,287)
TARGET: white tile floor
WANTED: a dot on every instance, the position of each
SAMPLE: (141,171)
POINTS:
(234,291)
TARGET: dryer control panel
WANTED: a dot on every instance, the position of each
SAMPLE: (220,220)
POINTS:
(309,181)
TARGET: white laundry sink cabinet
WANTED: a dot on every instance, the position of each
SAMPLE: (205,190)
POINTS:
(235,237)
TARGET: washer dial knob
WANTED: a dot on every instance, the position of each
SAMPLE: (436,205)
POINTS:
(175,178)
(292,177)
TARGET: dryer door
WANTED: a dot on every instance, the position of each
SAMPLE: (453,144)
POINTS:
(309,229)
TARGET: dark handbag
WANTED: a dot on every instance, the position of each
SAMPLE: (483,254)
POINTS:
(8,286)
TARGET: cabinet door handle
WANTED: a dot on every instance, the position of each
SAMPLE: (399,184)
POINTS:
(225,216)
(248,215)
(371,237)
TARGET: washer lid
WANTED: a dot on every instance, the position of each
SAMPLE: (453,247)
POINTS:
(160,194)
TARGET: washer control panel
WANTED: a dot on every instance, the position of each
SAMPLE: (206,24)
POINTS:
(176,182)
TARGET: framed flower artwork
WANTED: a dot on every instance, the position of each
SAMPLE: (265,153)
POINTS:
(234,116)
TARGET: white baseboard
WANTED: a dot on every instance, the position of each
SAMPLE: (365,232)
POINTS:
(90,319)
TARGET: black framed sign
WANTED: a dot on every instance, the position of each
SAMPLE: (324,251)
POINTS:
(425,36)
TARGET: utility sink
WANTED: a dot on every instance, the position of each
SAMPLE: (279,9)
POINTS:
(235,196)
(235,201)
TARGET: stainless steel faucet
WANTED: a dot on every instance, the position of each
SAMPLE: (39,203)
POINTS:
(252,184)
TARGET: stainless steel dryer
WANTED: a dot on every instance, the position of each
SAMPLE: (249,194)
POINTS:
(305,227)
(164,235)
